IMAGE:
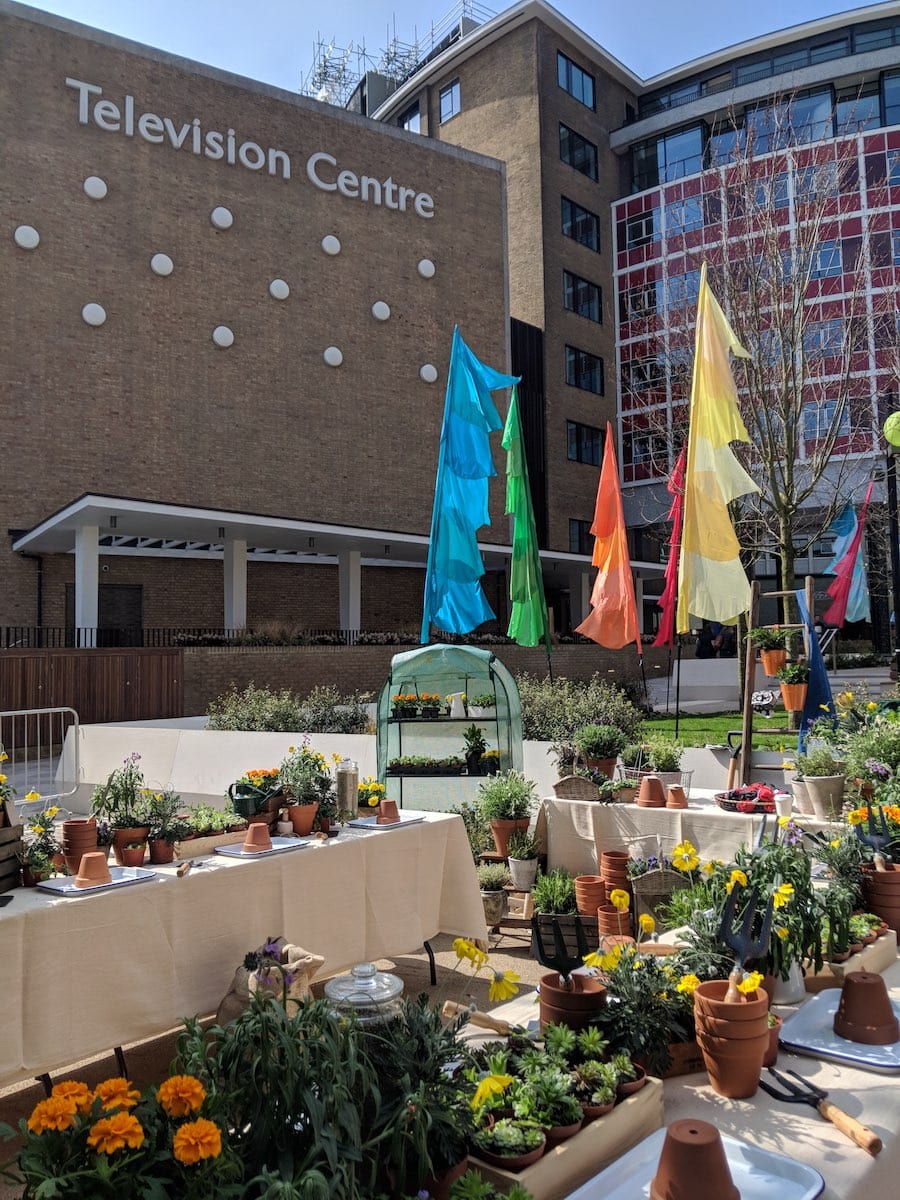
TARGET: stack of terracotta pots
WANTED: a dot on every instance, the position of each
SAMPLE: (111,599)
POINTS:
(733,1037)
(574,1001)
(652,794)
(614,873)
(881,890)
(79,837)
(590,893)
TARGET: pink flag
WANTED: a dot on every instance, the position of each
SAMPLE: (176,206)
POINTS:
(666,633)
(839,588)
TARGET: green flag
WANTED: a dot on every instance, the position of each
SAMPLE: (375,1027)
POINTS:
(528,621)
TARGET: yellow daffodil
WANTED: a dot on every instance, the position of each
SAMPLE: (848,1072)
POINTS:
(782,932)
(825,707)
(32,796)
(685,857)
(784,893)
(620,899)
(51,812)
(491,1085)
(687,984)
(503,986)
(834,843)
(750,983)
(647,924)
(38,830)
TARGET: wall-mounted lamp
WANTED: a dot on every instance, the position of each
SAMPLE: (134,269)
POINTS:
(113,522)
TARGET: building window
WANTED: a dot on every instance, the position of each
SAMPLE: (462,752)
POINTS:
(642,301)
(670,156)
(892,99)
(449,101)
(821,338)
(894,170)
(582,297)
(684,289)
(857,109)
(641,230)
(644,449)
(682,216)
(814,183)
(584,443)
(826,261)
(895,247)
(822,420)
(642,374)
(580,224)
(579,84)
(584,370)
(411,120)
(772,193)
(580,540)
(578,152)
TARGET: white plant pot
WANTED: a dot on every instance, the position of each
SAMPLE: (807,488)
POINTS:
(496,906)
(523,872)
(826,794)
(476,710)
(802,801)
(285,828)
(457,705)
(791,990)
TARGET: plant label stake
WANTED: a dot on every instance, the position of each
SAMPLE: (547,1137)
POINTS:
(817,1098)
(740,939)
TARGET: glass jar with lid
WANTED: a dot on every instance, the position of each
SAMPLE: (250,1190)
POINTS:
(374,996)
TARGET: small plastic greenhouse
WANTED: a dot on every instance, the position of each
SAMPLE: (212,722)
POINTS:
(445,670)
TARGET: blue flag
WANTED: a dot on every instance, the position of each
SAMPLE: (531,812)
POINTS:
(844,527)
(819,699)
(454,597)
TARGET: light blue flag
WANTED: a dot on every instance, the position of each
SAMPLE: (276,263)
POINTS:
(844,528)
(454,597)
(819,699)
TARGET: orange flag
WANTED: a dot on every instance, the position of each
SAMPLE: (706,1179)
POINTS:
(613,621)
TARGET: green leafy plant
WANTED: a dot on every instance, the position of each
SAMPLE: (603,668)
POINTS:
(487,700)
(325,710)
(552,711)
(769,638)
(478,829)
(509,1138)
(473,1186)
(595,1082)
(474,741)
(122,798)
(546,1097)
(554,892)
(163,816)
(794,672)
(599,741)
(202,818)
(304,775)
(817,762)
(663,754)
(508,796)
(492,877)
(522,846)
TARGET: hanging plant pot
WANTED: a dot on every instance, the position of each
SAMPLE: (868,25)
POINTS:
(793,696)
(773,661)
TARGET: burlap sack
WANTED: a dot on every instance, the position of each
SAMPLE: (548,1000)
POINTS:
(287,979)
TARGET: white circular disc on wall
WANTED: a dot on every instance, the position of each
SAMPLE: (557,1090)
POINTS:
(95,187)
(223,336)
(333,356)
(93,314)
(279,290)
(161,264)
(331,245)
(221,218)
(426,268)
(26,237)
(428,373)
(380,310)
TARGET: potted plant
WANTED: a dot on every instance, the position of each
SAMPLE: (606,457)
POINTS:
(664,757)
(306,782)
(122,801)
(40,850)
(523,860)
(490,762)
(430,705)
(475,745)
(599,746)
(510,1144)
(166,827)
(825,781)
(370,794)
(133,854)
(255,791)
(404,705)
(794,679)
(733,1035)
(492,880)
(546,1096)
(506,802)
(772,647)
(483,705)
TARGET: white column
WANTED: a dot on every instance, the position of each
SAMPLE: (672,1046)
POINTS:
(87,583)
(639,600)
(350,588)
(580,596)
(235,569)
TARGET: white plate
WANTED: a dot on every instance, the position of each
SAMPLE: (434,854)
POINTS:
(121,877)
(757,1174)
(279,845)
(810,1030)
(372,822)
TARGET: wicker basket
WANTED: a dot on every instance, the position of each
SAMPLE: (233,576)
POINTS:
(576,787)
(654,889)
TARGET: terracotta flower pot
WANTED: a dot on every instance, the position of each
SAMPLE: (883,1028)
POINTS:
(716,1027)
(161,851)
(593,1111)
(610,920)
(693,1163)
(615,861)
(590,893)
(94,870)
(881,890)
(257,838)
(133,856)
(574,1006)
(709,999)
(121,838)
(389,814)
(561,1133)
(732,1064)
(865,1013)
(630,1086)
(651,793)
(606,766)
(793,696)
(503,831)
(512,1162)
(302,817)
(773,661)
(772,1051)
(675,798)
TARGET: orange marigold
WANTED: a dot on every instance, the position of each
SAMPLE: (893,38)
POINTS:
(180,1095)
(196,1140)
(117,1093)
(56,1112)
(77,1092)
(110,1134)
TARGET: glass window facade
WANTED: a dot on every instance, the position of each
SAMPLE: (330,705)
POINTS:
(821,338)
(585,443)
(411,120)
(449,101)
(826,261)
(643,300)
(572,79)
(684,289)
(580,224)
(641,230)
(581,296)
(682,216)
(892,99)
(578,152)
(669,157)
(580,540)
(819,420)
(857,109)
(584,370)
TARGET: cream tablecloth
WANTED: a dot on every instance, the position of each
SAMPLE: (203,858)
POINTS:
(571,831)
(81,975)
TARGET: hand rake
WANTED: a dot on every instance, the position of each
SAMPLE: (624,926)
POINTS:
(817,1098)
(878,838)
(561,960)
(740,938)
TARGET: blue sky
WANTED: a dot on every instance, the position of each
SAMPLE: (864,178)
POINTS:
(272,40)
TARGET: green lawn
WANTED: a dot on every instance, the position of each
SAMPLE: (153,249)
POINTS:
(712,728)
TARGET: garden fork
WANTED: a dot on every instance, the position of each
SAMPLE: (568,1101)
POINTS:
(817,1098)
(878,838)
(561,961)
(739,938)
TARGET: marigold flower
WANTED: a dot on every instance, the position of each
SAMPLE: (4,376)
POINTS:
(196,1140)
(784,893)
(647,924)
(116,1093)
(750,983)
(180,1095)
(687,984)
(110,1134)
(56,1112)
(491,1085)
(75,1091)
(503,986)
(857,816)
(620,899)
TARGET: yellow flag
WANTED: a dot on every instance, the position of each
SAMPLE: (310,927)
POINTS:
(712,582)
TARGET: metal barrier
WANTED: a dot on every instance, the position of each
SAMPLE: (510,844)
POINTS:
(34,740)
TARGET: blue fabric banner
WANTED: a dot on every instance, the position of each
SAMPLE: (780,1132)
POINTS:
(844,528)
(454,598)
(819,698)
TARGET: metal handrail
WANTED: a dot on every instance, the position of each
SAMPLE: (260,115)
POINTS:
(41,745)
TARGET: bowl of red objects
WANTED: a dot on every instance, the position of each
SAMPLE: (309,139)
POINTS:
(754,799)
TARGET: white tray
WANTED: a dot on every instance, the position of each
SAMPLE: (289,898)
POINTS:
(121,877)
(279,845)
(810,1031)
(372,822)
(757,1174)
